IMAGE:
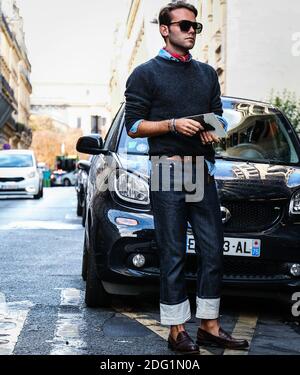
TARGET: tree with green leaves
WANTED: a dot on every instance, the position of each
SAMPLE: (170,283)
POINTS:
(289,104)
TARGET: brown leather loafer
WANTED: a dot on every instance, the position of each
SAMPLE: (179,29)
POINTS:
(224,340)
(183,344)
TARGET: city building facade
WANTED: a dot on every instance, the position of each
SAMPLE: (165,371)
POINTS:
(251,44)
(76,105)
(15,86)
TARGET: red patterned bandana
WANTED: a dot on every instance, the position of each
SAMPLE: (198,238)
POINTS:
(184,58)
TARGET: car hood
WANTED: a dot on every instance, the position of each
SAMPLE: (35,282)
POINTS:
(16,172)
(237,179)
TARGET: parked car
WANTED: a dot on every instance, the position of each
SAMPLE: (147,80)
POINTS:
(19,174)
(63,178)
(258,182)
(81,188)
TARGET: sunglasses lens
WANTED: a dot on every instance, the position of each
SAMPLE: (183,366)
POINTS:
(199,28)
(186,25)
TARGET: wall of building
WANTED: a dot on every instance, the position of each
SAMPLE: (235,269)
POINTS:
(250,43)
(15,71)
(259,47)
(75,105)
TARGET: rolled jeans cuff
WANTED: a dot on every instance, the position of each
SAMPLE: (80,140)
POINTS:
(207,308)
(175,314)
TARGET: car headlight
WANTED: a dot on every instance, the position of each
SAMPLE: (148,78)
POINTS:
(31,174)
(295,203)
(131,188)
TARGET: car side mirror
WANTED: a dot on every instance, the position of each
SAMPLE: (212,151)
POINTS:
(90,144)
(85,165)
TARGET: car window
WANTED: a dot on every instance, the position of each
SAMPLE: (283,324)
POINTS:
(15,160)
(128,145)
(254,133)
(257,134)
(112,134)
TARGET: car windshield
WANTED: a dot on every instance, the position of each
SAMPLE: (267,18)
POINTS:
(255,133)
(15,160)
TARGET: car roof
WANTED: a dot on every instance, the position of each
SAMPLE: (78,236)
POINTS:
(249,101)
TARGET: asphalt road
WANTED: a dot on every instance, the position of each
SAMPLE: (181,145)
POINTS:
(42,308)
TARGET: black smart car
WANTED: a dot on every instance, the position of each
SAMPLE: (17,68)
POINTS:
(258,181)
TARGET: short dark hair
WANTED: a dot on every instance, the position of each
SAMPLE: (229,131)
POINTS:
(165,13)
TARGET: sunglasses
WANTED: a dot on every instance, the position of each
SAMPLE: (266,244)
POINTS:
(185,26)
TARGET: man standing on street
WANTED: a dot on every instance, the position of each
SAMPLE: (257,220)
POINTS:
(160,94)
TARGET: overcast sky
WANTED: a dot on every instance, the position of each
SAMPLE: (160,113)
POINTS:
(69,40)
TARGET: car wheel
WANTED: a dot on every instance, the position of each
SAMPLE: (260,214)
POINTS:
(39,194)
(95,295)
(83,213)
(67,182)
(84,261)
(79,208)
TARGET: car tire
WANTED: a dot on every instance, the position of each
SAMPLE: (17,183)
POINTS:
(95,294)
(84,261)
(83,213)
(79,208)
(67,182)
(39,195)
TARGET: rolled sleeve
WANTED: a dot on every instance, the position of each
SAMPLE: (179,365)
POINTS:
(135,126)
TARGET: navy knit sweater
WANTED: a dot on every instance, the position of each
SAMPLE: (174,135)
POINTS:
(161,89)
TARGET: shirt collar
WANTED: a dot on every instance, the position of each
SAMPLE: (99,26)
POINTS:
(168,56)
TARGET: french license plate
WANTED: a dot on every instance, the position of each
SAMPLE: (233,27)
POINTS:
(8,186)
(242,247)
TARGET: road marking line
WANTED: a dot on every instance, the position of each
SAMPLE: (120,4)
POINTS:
(146,320)
(12,319)
(244,328)
(36,224)
(70,325)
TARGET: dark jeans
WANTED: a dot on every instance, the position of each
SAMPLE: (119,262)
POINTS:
(171,214)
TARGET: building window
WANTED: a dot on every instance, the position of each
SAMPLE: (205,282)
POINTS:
(97,123)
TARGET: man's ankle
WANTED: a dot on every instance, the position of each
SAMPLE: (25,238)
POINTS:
(175,329)
(211,326)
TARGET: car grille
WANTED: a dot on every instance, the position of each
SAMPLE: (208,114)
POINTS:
(238,270)
(11,179)
(252,216)
(235,268)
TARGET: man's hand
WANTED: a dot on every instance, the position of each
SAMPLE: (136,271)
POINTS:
(187,126)
(208,137)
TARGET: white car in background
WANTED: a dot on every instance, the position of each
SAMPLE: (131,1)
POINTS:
(64,178)
(19,174)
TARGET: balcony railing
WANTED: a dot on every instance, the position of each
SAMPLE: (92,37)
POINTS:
(8,89)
